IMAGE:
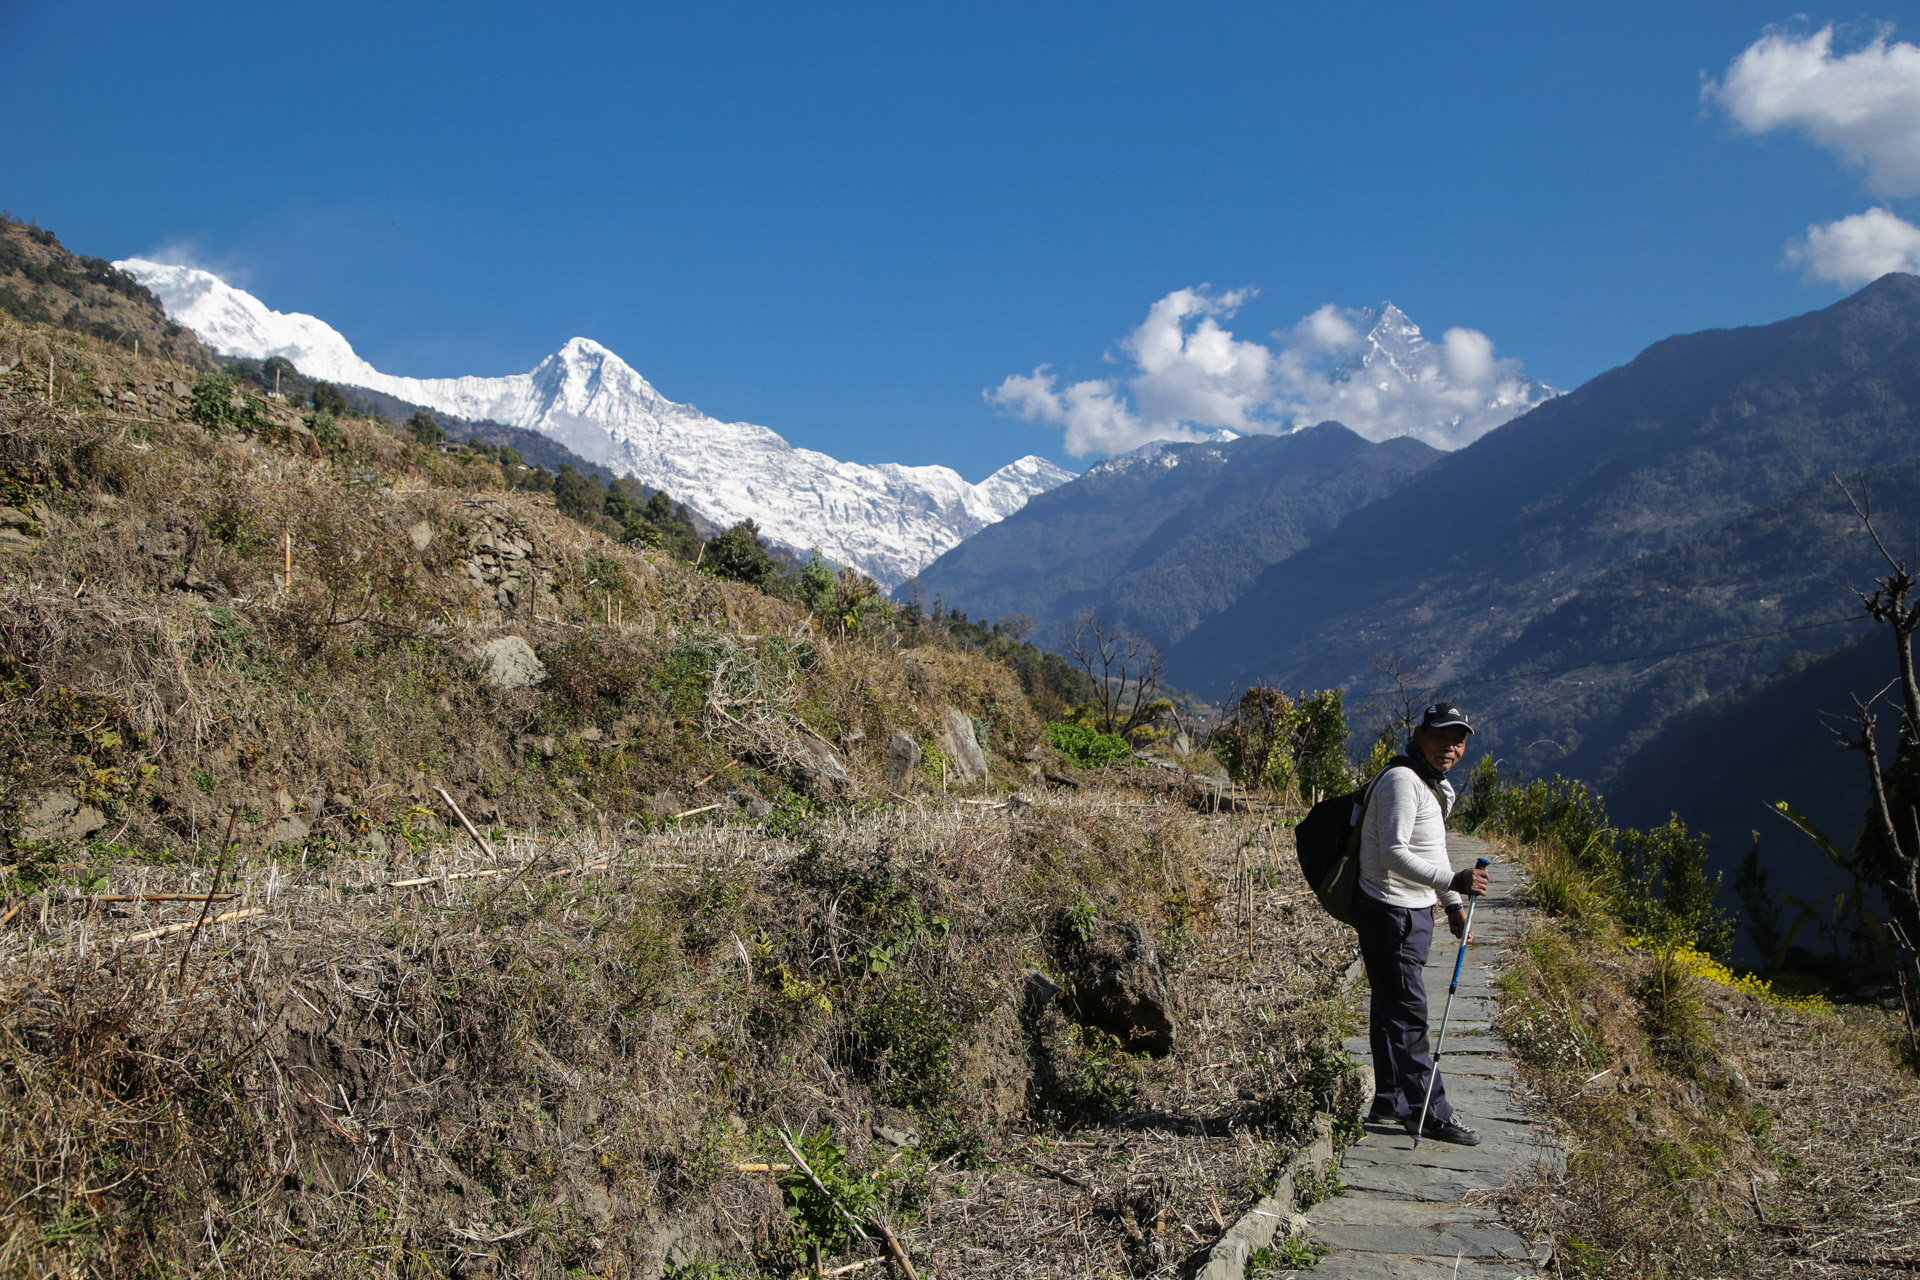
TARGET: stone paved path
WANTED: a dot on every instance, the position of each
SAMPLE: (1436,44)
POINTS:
(1414,1214)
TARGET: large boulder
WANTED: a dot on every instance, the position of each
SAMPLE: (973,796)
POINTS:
(957,739)
(903,761)
(1118,984)
(511,663)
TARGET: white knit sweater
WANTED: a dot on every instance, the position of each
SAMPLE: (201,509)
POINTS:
(1403,842)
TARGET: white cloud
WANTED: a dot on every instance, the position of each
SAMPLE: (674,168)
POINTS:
(1864,106)
(1368,369)
(1857,249)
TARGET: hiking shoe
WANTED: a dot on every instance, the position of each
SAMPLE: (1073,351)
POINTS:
(1386,1115)
(1446,1131)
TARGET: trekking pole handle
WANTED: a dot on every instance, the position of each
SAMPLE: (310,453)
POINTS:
(1473,900)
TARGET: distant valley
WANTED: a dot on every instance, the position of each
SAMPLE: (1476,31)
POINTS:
(1162,539)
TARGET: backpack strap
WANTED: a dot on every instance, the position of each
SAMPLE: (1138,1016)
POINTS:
(1366,793)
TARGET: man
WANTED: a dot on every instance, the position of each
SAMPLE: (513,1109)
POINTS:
(1403,862)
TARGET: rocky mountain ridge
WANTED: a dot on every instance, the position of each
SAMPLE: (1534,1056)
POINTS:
(887,520)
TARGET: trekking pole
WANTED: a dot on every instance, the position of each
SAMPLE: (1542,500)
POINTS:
(1440,1045)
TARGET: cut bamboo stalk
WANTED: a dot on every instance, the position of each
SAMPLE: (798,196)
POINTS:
(225,917)
(451,875)
(478,838)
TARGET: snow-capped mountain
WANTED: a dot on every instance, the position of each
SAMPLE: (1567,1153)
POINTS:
(1159,453)
(887,520)
(1396,367)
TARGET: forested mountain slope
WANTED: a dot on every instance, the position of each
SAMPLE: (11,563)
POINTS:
(1451,569)
(1164,538)
(1772,573)
(1722,763)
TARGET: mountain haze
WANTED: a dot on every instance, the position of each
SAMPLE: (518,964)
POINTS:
(1165,537)
(887,520)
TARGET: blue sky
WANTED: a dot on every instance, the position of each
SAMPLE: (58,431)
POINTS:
(847,222)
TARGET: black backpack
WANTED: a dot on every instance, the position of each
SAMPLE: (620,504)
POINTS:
(1327,841)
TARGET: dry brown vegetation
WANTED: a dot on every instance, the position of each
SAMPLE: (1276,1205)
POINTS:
(556,1067)
(1743,1135)
(560,1068)
(159,668)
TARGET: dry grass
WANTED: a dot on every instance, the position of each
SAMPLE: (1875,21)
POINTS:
(1749,1138)
(557,1069)
(155,663)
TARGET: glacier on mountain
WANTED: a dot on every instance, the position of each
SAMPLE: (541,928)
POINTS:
(888,520)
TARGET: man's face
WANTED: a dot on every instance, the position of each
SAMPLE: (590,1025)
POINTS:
(1443,748)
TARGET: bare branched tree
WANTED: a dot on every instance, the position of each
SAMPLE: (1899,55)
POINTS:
(1124,668)
(1892,837)
(1402,706)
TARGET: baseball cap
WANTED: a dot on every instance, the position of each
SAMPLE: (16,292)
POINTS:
(1444,715)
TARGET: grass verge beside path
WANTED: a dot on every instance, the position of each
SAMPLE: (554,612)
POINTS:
(1713,1128)
(572,1069)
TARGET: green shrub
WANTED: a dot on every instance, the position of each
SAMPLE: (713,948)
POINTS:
(815,1215)
(422,427)
(328,398)
(218,401)
(1297,744)
(1653,882)
(741,554)
(1087,746)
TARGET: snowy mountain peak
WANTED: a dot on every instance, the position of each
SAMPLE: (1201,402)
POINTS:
(887,520)
(1156,452)
(1394,339)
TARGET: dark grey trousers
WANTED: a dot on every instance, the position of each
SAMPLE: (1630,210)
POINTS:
(1394,942)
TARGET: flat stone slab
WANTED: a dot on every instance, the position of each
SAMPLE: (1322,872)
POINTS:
(1370,1224)
(1375,1266)
(1421,1182)
(1406,1213)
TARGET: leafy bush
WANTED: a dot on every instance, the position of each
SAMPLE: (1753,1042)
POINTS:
(1653,882)
(1297,744)
(741,554)
(422,427)
(1086,746)
(815,1215)
(328,398)
(217,401)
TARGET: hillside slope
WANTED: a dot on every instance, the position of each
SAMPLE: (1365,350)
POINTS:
(1162,539)
(740,875)
(42,281)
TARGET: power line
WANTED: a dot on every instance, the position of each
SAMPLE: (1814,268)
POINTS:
(1637,657)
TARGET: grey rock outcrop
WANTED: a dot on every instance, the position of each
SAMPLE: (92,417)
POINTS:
(58,816)
(821,773)
(903,761)
(962,748)
(511,663)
